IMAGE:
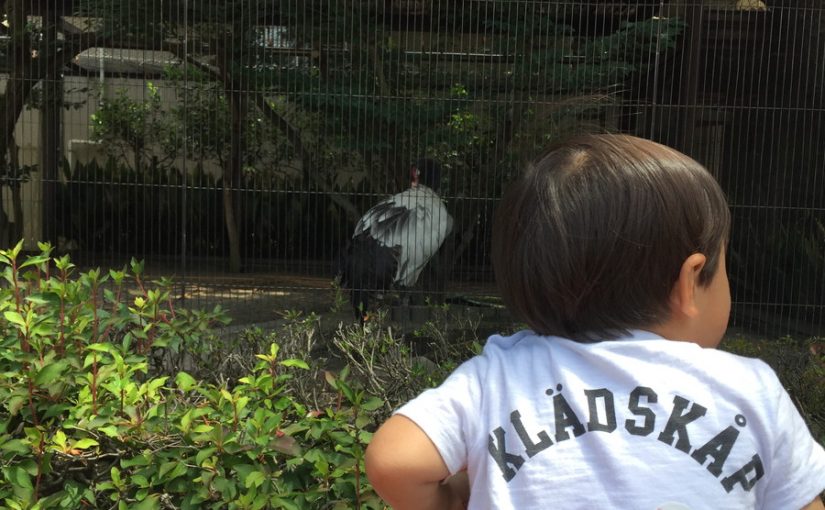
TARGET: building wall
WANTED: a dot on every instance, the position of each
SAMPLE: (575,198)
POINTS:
(77,145)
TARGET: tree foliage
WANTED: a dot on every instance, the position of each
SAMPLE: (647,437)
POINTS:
(344,88)
(343,92)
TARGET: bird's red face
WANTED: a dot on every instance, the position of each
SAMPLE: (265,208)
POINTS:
(414,174)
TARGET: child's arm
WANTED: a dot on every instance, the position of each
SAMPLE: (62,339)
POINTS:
(406,469)
(815,505)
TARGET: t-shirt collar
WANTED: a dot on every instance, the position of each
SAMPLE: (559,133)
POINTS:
(641,334)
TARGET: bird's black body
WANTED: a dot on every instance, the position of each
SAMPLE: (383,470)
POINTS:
(395,239)
(367,267)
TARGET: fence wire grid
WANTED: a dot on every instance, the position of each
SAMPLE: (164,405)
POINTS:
(234,144)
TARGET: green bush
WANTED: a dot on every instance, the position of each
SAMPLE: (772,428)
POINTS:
(88,417)
(95,410)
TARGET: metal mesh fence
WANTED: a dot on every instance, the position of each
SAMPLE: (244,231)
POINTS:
(234,144)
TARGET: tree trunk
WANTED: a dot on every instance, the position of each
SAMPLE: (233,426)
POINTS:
(25,72)
(237,107)
(233,169)
(5,226)
(16,228)
(50,123)
(689,144)
(231,223)
(16,186)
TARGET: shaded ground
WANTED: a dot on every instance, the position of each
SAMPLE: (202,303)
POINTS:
(261,298)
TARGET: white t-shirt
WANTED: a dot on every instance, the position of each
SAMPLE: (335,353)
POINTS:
(638,423)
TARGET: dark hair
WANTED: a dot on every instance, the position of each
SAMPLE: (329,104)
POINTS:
(589,241)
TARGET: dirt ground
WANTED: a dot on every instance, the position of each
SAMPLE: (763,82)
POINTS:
(263,298)
(256,300)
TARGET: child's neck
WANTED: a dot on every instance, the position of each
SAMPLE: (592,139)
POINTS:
(679,331)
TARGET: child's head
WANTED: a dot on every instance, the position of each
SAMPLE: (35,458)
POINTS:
(590,240)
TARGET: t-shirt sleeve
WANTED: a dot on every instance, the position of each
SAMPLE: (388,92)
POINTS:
(445,413)
(798,465)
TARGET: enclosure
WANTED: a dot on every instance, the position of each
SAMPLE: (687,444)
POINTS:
(233,144)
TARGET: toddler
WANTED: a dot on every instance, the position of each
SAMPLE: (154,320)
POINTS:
(611,249)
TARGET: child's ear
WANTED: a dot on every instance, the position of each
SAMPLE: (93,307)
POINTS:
(683,295)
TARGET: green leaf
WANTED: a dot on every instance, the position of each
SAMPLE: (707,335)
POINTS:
(137,266)
(362,420)
(117,276)
(346,390)
(279,502)
(85,443)
(186,421)
(254,479)
(109,430)
(287,445)
(140,481)
(240,405)
(15,446)
(60,439)
(202,428)
(372,404)
(150,503)
(49,373)
(297,363)
(14,252)
(19,477)
(139,460)
(166,467)
(185,381)
(115,473)
(100,347)
(204,454)
(171,469)
(35,261)
(43,299)
(15,404)
(15,318)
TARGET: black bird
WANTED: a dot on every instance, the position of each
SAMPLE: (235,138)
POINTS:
(395,239)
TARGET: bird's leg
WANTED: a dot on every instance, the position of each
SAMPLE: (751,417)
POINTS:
(403,296)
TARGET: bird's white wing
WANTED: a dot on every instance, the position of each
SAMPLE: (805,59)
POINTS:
(382,220)
(414,224)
